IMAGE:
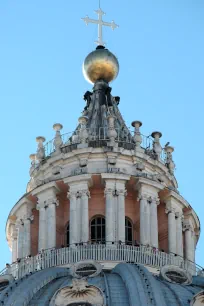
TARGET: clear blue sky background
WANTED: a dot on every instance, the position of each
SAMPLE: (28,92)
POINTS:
(160,46)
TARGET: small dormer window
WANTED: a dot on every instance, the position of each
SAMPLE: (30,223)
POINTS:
(176,275)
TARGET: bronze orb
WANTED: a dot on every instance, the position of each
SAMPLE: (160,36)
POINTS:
(100,64)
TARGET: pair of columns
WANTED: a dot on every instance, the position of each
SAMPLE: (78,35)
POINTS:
(47,203)
(149,219)
(78,196)
(115,193)
(21,237)
(79,215)
(189,237)
(175,232)
(176,226)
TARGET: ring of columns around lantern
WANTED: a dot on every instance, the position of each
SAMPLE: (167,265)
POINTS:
(159,217)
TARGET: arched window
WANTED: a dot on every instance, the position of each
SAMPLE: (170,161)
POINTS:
(128,231)
(98,225)
(67,235)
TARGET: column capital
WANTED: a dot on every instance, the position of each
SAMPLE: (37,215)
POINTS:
(85,193)
(187,226)
(170,209)
(52,201)
(109,191)
(179,214)
(121,192)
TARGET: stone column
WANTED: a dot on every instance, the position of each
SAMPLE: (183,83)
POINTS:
(144,219)
(20,244)
(42,234)
(179,234)
(154,222)
(27,236)
(14,243)
(171,229)
(85,195)
(109,193)
(73,226)
(51,222)
(189,240)
(121,193)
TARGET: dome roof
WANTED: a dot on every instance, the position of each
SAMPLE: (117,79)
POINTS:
(125,285)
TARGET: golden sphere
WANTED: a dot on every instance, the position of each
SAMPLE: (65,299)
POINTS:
(100,64)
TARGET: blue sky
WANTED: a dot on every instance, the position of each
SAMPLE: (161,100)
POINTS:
(160,47)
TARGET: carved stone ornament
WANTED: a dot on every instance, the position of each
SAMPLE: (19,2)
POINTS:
(83,133)
(58,139)
(112,134)
(169,160)
(121,192)
(40,155)
(137,135)
(88,268)
(174,274)
(198,299)
(109,191)
(156,143)
(80,293)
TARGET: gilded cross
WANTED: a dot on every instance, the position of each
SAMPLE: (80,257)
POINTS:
(100,24)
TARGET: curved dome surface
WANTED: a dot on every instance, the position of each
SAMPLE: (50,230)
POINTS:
(125,285)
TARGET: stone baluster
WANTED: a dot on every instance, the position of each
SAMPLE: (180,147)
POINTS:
(189,240)
(85,195)
(51,205)
(169,160)
(154,202)
(156,144)
(14,236)
(110,232)
(58,139)
(40,155)
(144,219)
(179,234)
(33,163)
(42,235)
(171,228)
(137,135)
(83,133)
(20,240)
(121,193)
(73,226)
(112,134)
(27,236)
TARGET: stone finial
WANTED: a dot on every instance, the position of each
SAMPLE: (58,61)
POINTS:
(83,133)
(40,155)
(112,134)
(137,135)
(58,139)
(169,160)
(157,148)
(33,163)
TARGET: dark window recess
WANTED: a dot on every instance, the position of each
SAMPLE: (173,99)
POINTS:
(128,232)
(67,236)
(98,230)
